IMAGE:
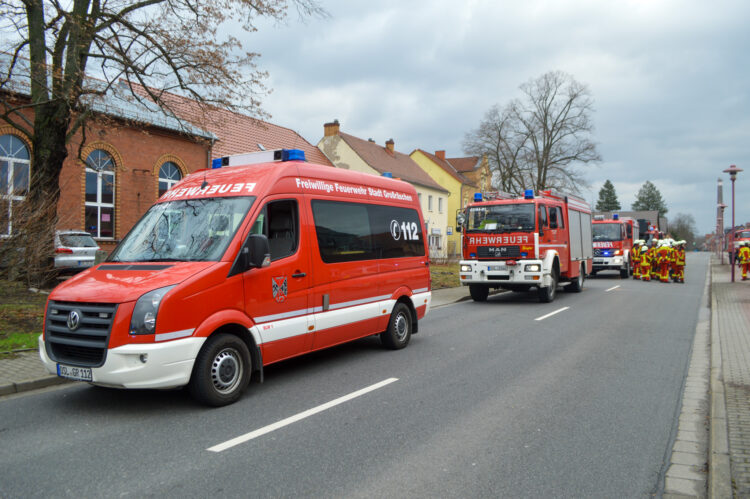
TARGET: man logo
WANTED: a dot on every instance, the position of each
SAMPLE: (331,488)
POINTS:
(74,320)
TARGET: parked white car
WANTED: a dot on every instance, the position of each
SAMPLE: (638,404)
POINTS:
(74,250)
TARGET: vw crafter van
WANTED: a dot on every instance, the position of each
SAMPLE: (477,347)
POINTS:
(240,266)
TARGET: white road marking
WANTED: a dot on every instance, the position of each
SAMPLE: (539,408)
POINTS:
(610,289)
(297,417)
(551,314)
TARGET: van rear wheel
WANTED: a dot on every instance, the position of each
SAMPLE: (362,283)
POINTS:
(221,371)
(399,330)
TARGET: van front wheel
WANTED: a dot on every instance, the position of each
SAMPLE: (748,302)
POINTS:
(221,371)
(399,330)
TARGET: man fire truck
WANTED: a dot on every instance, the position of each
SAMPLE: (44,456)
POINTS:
(523,243)
(613,242)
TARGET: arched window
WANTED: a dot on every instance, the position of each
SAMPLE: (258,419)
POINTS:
(14,179)
(169,175)
(100,194)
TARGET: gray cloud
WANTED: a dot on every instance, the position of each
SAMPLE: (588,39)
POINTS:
(669,79)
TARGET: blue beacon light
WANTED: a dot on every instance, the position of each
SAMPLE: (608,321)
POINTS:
(528,194)
(477,197)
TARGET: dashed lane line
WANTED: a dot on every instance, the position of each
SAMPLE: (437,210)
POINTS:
(551,314)
(298,417)
(610,289)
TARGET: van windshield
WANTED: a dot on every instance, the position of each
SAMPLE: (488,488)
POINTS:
(606,232)
(501,218)
(185,230)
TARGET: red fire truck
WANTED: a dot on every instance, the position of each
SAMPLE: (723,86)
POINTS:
(613,242)
(531,242)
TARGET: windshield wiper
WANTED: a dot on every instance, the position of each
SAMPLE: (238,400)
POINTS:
(162,260)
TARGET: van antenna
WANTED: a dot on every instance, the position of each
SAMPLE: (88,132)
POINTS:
(205,183)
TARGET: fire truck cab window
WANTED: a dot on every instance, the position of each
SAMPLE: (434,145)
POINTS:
(543,223)
(501,218)
(607,232)
(279,222)
(553,218)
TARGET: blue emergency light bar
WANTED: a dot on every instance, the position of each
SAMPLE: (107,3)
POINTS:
(259,157)
(615,217)
(477,197)
(528,194)
(387,175)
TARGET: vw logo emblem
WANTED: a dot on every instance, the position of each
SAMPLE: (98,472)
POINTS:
(74,319)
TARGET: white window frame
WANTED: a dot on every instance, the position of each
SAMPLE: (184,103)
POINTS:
(98,204)
(169,181)
(13,164)
(429,202)
(440,204)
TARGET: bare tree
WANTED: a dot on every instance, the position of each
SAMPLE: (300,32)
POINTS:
(154,46)
(682,227)
(539,141)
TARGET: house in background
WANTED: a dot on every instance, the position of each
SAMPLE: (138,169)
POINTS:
(461,185)
(352,153)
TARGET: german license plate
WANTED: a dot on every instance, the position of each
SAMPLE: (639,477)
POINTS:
(77,373)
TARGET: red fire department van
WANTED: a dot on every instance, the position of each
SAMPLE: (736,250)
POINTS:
(613,242)
(238,267)
(524,243)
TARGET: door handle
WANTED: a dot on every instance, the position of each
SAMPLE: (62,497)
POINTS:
(299,274)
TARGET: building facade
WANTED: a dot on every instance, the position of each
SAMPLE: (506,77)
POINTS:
(352,153)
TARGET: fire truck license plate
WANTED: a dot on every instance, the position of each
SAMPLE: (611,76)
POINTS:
(78,373)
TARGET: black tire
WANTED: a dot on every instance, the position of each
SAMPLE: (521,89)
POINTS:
(547,295)
(221,371)
(577,285)
(479,292)
(624,273)
(400,327)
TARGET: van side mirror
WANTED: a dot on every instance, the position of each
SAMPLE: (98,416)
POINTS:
(254,254)
(257,251)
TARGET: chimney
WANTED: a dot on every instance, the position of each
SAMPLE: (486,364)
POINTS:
(440,154)
(331,129)
(389,144)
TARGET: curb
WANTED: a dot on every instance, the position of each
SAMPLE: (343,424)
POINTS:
(719,463)
(31,384)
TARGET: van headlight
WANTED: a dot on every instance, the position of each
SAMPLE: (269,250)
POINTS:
(465,268)
(533,267)
(145,311)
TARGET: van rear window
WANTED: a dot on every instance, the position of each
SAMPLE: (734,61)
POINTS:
(350,232)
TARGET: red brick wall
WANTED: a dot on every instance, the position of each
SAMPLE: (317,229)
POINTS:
(138,152)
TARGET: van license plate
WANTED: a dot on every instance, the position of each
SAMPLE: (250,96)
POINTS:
(78,373)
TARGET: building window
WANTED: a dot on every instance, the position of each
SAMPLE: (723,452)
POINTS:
(169,175)
(14,179)
(100,194)
(440,205)
(429,203)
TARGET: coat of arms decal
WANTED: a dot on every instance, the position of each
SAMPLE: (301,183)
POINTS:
(279,288)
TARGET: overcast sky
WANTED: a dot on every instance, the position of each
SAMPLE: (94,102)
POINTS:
(669,80)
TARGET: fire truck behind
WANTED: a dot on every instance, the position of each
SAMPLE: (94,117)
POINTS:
(531,242)
(613,242)
(738,235)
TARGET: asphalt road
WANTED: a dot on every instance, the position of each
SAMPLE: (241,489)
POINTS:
(486,401)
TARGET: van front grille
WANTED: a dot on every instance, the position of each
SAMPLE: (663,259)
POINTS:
(78,333)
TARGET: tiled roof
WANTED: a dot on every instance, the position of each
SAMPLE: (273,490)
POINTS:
(399,164)
(238,133)
(448,167)
(115,103)
(463,165)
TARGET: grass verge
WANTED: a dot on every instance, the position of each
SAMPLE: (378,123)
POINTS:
(444,276)
(21,316)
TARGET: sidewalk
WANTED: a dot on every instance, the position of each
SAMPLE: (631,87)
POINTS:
(729,459)
(25,372)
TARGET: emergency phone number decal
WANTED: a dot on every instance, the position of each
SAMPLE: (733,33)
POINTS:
(408,230)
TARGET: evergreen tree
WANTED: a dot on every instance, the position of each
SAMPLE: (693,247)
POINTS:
(608,198)
(649,199)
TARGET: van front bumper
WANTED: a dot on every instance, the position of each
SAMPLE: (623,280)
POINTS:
(167,365)
(608,263)
(495,273)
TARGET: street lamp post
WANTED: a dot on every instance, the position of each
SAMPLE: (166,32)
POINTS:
(732,171)
(720,232)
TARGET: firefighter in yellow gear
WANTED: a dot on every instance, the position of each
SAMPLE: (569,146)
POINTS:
(664,260)
(655,245)
(646,254)
(679,262)
(744,258)
(635,258)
